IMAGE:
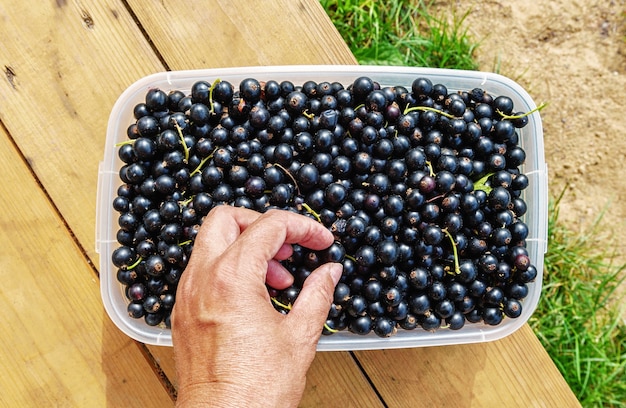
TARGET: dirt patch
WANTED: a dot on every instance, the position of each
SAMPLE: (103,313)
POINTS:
(571,54)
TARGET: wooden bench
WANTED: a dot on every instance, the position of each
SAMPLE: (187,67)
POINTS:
(64,63)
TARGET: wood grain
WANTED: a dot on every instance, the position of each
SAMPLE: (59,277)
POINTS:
(70,62)
(57,346)
(226,33)
(512,372)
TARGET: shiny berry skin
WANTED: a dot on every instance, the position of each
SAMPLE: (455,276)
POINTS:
(123,257)
(335,194)
(456,321)
(356,306)
(432,235)
(254,186)
(250,89)
(372,290)
(493,296)
(499,198)
(492,315)
(430,322)
(419,304)
(361,325)
(512,308)
(384,327)
(387,252)
(135,310)
(365,256)
(361,87)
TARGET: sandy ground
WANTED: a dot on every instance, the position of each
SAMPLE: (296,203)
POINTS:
(571,54)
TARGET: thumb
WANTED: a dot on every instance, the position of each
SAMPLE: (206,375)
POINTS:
(310,309)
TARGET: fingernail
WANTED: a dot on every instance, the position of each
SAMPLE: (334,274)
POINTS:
(335,270)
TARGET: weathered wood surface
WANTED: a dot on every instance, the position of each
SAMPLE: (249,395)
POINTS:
(64,63)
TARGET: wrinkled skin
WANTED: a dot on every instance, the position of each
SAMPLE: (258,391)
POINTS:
(232,348)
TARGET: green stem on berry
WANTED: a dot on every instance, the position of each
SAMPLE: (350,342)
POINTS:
(125,142)
(185,242)
(308,115)
(202,162)
(217,81)
(481,184)
(281,305)
(184,203)
(288,307)
(457,269)
(430,168)
(350,257)
(311,211)
(522,115)
(182,141)
(329,329)
(427,108)
(134,265)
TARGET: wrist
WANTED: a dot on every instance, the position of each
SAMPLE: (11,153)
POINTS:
(206,395)
(220,395)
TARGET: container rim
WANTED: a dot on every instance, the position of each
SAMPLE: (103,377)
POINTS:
(108,177)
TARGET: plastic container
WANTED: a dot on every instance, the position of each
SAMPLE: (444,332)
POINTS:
(536,197)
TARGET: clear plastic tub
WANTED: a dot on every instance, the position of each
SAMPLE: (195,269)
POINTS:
(536,196)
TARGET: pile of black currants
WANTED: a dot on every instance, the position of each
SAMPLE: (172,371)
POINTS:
(420,186)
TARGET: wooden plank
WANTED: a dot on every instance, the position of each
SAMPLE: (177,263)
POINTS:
(227,33)
(58,348)
(334,381)
(64,65)
(513,372)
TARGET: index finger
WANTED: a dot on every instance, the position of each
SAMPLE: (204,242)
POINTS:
(261,241)
(220,228)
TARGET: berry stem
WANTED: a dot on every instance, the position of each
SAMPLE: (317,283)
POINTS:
(537,109)
(125,142)
(182,141)
(134,265)
(311,211)
(435,198)
(202,162)
(281,305)
(295,183)
(430,168)
(457,269)
(288,307)
(187,201)
(213,85)
(427,108)
(329,329)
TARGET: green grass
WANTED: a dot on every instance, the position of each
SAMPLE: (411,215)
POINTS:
(579,319)
(397,32)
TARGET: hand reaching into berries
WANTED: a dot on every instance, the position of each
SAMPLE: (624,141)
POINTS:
(231,346)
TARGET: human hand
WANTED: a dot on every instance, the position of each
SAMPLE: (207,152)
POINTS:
(232,348)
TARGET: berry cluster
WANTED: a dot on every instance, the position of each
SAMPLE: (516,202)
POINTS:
(420,186)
